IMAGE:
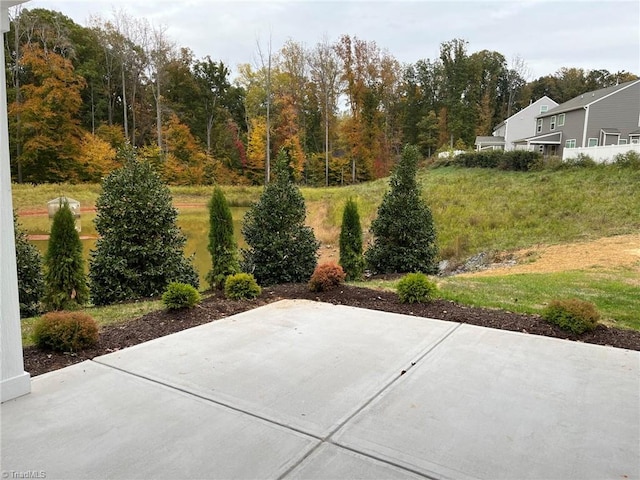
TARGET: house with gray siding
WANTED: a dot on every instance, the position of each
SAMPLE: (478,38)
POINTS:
(519,125)
(609,116)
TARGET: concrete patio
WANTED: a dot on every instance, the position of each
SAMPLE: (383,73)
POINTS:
(300,389)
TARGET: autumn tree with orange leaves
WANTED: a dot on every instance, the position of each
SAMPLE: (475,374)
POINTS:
(51,133)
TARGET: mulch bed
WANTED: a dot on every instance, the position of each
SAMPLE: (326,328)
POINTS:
(215,307)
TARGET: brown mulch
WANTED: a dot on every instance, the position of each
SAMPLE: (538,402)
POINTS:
(215,307)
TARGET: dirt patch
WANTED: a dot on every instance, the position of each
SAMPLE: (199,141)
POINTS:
(609,252)
(215,307)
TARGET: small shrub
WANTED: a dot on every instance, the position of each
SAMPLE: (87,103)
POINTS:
(552,162)
(416,288)
(180,295)
(65,331)
(519,160)
(241,286)
(572,315)
(582,160)
(631,159)
(326,276)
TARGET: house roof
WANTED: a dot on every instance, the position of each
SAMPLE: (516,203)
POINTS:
(535,104)
(489,140)
(554,138)
(588,98)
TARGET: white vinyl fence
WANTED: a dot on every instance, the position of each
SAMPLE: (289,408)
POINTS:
(604,154)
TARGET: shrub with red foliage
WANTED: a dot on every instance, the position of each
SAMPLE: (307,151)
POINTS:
(326,276)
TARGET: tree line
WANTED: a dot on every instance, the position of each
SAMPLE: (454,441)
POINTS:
(80,96)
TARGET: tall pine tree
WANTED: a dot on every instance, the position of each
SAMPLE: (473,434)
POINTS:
(351,258)
(64,279)
(281,248)
(222,244)
(403,231)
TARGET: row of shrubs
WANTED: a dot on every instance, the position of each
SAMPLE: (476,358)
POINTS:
(516,160)
(75,331)
(524,161)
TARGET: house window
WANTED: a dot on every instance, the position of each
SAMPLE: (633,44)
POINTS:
(561,120)
(634,139)
(539,126)
(622,141)
(553,122)
(570,143)
(593,142)
(544,108)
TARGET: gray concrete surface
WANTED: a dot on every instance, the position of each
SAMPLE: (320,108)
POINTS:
(89,421)
(495,404)
(301,389)
(304,364)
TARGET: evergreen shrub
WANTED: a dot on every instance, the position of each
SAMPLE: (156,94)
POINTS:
(65,283)
(140,248)
(519,160)
(351,258)
(416,288)
(516,160)
(241,286)
(631,159)
(573,315)
(222,244)
(65,331)
(180,295)
(30,278)
(282,249)
(326,276)
(404,237)
(582,160)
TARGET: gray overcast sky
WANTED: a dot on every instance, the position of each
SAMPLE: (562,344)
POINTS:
(547,34)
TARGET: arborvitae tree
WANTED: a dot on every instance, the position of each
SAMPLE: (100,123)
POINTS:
(65,283)
(351,258)
(30,279)
(403,231)
(222,244)
(281,248)
(140,248)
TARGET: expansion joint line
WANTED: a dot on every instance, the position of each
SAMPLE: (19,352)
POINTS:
(327,439)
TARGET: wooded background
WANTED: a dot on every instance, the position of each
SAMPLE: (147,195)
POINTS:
(79,95)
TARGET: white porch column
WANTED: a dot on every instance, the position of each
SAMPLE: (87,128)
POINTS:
(14,380)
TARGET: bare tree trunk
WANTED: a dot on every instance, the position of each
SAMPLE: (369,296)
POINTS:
(124,105)
(326,142)
(209,129)
(18,139)
(267,165)
(93,112)
(158,111)
(267,170)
